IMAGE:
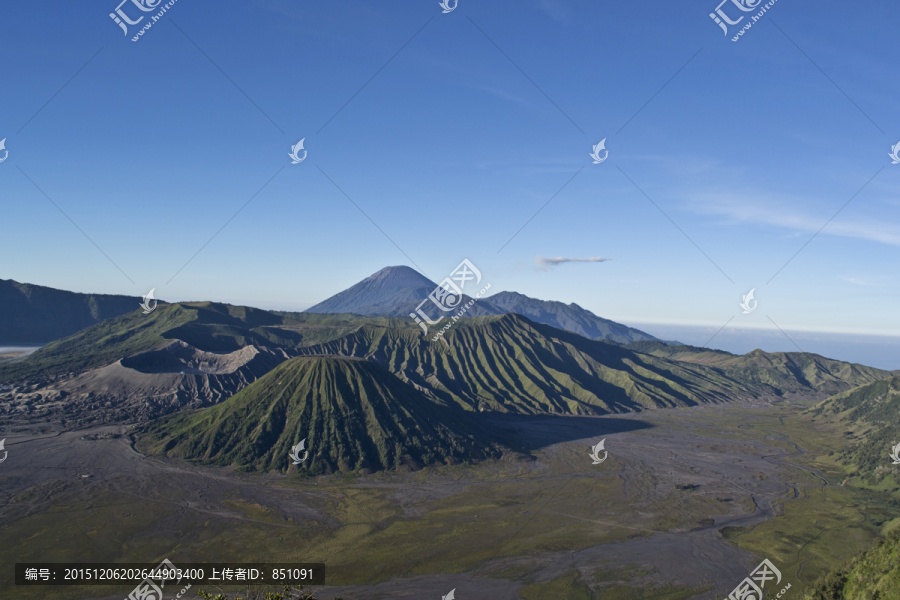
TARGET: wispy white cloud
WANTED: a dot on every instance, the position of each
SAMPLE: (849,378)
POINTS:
(857,281)
(500,93)
(449,71)
(750,209)
(557,10)
(546,263)
(878,281)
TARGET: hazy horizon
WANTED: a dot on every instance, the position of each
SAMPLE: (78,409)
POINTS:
(879,350)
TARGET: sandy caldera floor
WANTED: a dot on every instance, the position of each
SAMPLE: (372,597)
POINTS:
(539,522)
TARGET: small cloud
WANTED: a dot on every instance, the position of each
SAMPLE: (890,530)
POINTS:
(557,10)
(855,280)
(752,209)
(546,263)
(866,281)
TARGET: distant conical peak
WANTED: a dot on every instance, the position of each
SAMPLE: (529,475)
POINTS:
(401,274)
(400,290)
(387,270)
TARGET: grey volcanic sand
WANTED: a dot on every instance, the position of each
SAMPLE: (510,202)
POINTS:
(150,384)
(672,450)
(695,557)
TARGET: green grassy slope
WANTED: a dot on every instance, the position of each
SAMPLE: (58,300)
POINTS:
(99,345)
(779,371)
(508,363)
(569,317)
(505,363)
(873,575)
(209,326)
(353,414)
(35,314)
(871,416)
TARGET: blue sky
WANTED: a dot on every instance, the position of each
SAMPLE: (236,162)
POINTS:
(481,116)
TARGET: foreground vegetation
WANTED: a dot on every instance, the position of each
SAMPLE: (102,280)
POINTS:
(870,417)
(875,574)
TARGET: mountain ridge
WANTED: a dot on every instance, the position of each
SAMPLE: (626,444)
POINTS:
(505,363)
(35,314)
(570,317)
(374,289)
(38,315)
(870,416)
(397,292)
